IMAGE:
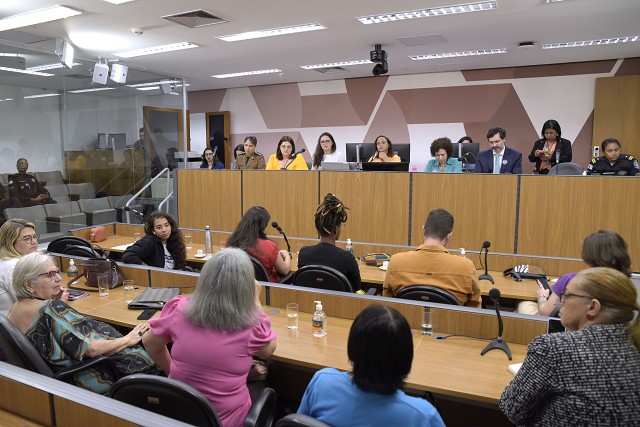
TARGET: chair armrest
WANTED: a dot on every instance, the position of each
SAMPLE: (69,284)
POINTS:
(67,374)
(287,279)
(263,409)
(53,219)
(74,197)
(371,291)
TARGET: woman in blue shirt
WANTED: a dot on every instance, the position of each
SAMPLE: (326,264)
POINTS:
(442,150)
(210,161)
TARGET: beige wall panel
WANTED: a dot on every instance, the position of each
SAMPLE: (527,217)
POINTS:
(616,112)
(171,279)
(26,401)
(72,414)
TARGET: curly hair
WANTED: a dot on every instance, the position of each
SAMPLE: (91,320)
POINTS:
(175,242)
(442,144)
(330,214)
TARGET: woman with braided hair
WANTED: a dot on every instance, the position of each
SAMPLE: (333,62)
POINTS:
(330,218)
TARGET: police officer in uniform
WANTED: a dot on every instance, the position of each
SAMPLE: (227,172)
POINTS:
(613,163)
(250,159)
(27,188)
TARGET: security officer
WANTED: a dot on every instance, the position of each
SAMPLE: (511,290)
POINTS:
(250,159)
(613,163)
(27,188)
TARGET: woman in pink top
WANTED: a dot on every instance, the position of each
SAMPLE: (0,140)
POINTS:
(215,332)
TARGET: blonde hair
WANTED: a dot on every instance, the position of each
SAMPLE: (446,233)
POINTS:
(9,233)
(617,295)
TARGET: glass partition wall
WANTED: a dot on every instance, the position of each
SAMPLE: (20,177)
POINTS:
(113,137)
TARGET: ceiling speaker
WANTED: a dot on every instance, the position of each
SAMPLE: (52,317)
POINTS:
(100,73)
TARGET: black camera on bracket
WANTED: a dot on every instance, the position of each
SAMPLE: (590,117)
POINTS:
(379,57)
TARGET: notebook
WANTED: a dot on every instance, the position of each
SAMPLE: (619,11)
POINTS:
(153,298)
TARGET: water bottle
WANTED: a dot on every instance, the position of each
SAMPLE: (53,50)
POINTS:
(463,253)
(557,156)
(319,321)
(207,240)
(349,246)
(72,271)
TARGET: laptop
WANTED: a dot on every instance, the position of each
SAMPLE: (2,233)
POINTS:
(335,166)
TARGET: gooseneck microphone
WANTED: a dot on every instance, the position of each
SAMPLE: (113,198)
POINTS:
(375,154)
(292,157)
(498,342)
(486,275)
(281,231)
(135,212)
(215,150)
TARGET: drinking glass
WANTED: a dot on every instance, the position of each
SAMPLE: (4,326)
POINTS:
(292,316)
(426,326)
(103,285)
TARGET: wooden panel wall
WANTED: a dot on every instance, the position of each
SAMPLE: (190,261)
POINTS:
(26,401)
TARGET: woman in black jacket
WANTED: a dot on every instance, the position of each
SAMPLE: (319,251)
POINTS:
(162,246)
(550,149)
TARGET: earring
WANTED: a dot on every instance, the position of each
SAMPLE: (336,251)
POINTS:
(589,317)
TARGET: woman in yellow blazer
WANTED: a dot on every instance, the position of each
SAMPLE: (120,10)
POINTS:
(283,160)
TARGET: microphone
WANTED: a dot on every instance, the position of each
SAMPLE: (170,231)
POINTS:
(469,157)
(281,231)
(300,151)
(215,149)
(486,275)
(498,342)
(375,154)
(135,212)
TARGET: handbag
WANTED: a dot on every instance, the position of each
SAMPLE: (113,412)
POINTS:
(98,234)
(525,271)
(93,267)
(376,258)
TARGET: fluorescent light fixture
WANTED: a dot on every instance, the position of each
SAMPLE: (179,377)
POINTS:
(155,49)
(50,66)
(247,73)
(615,40)
(42,95)
(425,13)
(6,99)
(39,16)
(458,54)
(336,64)
(273,32)
(173,82)
(33,73)
(95,89)
(554,1)
(118,1)
(148,88)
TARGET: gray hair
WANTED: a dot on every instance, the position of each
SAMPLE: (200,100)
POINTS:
(28,269)
(224,298)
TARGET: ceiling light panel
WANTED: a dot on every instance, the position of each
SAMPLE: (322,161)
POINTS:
(37,17)
(336,64)
(458,54)
(601,42)
(155,49)
(247,73)
(425,13)
(118,1)
(50,67)
(272,32)
(43,95)
(95,89)
(33,73)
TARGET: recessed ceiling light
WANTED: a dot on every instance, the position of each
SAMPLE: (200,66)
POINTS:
(95,89)
(458,54)
(42,95)
(272,32)
(336,64)
(33,73)
(615,40)
(425,13)
(118,1)
(39,16)
(155,49)
(50,66)
(247,73)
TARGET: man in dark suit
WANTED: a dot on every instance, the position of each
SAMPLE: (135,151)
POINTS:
(510,160)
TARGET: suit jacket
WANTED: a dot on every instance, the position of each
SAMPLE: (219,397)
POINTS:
(511,161)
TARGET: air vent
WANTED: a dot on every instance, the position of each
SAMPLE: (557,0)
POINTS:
(195,18)
(330,70)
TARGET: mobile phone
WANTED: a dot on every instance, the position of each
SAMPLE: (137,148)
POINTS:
(147,314)
(544,284)
(74,294)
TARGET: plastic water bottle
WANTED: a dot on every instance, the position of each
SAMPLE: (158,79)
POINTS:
(349,246)
(463,253)
(319,321)
(207,240)
(72,271)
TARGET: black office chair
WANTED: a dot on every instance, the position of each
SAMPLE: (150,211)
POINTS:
(177,400)
(82,251)
(299,420)
(427,293)
(19,352)
(321,277)
(260,271)
(566,169)
(61,243)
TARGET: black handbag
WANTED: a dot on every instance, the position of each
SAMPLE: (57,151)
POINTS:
(525,271)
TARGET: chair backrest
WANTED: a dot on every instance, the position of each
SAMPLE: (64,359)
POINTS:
(427,293)
(19,351)
(321,277)
(60,209)
(61,243)
(51,177)
(90,205)
(83,251)
(167,397)
(260,271)
(57,190)
(35,214)
(566,169)
(3,179)
(85,190)
(300,420)
(119,201)
(263,409)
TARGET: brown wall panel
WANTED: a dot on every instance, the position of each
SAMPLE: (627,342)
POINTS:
(26,401)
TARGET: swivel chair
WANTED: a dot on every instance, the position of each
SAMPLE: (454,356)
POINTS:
(321,277)
(427,293)
(300,420)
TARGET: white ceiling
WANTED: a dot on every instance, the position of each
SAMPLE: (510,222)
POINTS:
(345,38)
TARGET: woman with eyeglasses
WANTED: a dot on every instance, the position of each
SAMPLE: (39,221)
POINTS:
(210,160)
(590,375)
(326,151)
(17,238)
(64,337)
(283,158)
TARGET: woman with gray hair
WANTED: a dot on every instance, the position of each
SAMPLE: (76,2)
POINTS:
(64,337)
(215,332)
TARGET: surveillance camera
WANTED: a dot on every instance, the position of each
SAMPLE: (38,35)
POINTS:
(137,31)
(381,68)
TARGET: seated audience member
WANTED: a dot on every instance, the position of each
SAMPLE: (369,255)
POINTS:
(162,246)
(384,151)
(6,201)
(500,158)
(613,163)
(210,161)
(330,218)
(442,151)
(380,348)
(27,188)
(250,159)
(214,334)
(551,149)
(465,140)
(431,264)
(63,336)
(17,238)
(326,151)
(236,152)
(250,236)
(283,158)
(601,249)
(589,375)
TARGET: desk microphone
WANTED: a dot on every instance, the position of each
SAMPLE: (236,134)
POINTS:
(486,275)
(469,157)
(215,149)
(375,154)
(281,231)
(498,342)
(300,151)
(135,212)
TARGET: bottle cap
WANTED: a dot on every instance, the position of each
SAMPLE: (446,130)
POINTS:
(348,241)
(206,227)
(462,252)
(318,305)
(72,262)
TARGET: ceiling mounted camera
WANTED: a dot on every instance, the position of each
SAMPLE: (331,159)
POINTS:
(379,57)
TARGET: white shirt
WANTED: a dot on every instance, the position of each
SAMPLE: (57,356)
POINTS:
(168,259)
(7,295)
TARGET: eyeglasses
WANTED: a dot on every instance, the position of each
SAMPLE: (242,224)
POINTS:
(29,239)
(51,274)
(567,295)
(325,142)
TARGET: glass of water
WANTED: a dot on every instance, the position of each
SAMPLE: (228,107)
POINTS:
(129,291)
(425,326)
(188,239)
(292,316)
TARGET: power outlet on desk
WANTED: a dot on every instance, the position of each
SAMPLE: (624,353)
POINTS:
(596,151)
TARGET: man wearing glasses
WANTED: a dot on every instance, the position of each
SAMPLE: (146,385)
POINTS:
(499,159)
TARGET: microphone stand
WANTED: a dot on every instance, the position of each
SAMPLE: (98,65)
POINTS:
(498,342)
(486,275)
